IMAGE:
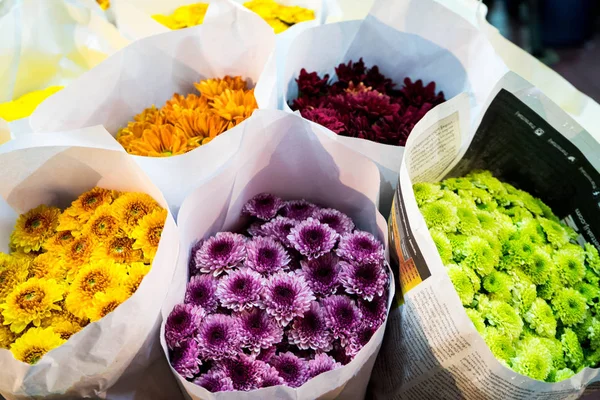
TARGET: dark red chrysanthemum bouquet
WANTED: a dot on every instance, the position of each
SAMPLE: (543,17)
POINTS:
(363,103)
(299,293)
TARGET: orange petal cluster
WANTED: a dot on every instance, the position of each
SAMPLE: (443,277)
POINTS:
(186,122)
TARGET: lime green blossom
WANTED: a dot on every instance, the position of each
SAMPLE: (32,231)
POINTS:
(530,202)
(477,319)
(533,231)
(462,283)
(592,358)
(592,259)
(442,243)
(591,277)
(554,346)
(498,284)
(426,192)
(590,292)
(468,223)
(581,329)
(501,345)
(572,349)
(562,374)
(483,304)
(547,211)
(475,279)
(455,184)
(485,180)
(594,333)
(479,256)
(533,360)
(505,319)
(440,215)
(523,290)
(569,306)
(538,267)
(555,232)
(541,318)
(547,290)
(570,267)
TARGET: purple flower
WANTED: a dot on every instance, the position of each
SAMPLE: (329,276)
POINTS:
(201,292)
(255,229)
(266,354)
(266,255)
(193,268)
(280,227)
(328,117)
(298,209)
(312,238)
(416,94)
(359,339)
(364,280)
(263,206)
(360,247)
(287,295)
(182,323)
(336,220)
(310,83)
(240,290)
(310,331)
(342,316)
(339,353)
(268,375)
(215,381)
(292,369)
(243,371)
(321,363)
(184,358)
(218,337)
(258,331)
(322,274)
(221,252)
(373,312)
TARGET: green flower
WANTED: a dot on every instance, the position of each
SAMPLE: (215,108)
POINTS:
(591,277)
(592,358)
(570,266)
(594,334)
(530,202)
(442,243)
(581,329)
(547,211)
(538,267)
(475,279)
(523,290)
(455,199)
(440,215)
(518,214)
(533,360)
(483,304)
(592,259)
(521,249)
(562,374)
(487,221)
(482,199)
(477,319)
(426,192)
(493,241)
(505,319)
(555,233)
(501,345)
(554,346)
(479,256)
(462,283)
(533,231)
(590,292)
(541,318)
(572,349)
(456,184)
(569,306)
(468,222)
(485,180)
(547,290)
(498,285)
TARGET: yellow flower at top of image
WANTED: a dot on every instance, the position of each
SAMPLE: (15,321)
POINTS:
(30,302)
(34,343)
(106,302)
(183,17)
(85,205)
(136,273)
(147,233)
(279,16)
(34,227)
(102,225)
(118,249)
(104,4)
(132,207)
(13,271)
(25,105)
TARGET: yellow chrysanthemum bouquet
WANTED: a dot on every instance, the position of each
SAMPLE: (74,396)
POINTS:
(69,268)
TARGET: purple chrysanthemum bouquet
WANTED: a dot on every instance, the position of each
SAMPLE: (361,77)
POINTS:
(299,292)
(363,103)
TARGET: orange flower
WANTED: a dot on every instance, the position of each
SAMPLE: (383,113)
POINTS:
(235,105)
(200,124)
(210,88)
(178,103)
(160,141)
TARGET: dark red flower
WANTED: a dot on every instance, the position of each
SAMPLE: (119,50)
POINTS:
(310,83)
(351,72)
(416,94)
(372,104)
(377,81)
(328,117)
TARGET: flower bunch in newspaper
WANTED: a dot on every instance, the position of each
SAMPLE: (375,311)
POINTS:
(69,268)
(186,122)
(529,288)
(299,294)
(363,103)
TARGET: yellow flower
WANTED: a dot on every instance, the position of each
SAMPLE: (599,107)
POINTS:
(96,277)
(7,337)
(147,234)
(88,202)
(34,227)
(68,223)
(48,265)
(210,88)
(107,302)
(280,17)
(183,17)
(64,323)
(131,133)
(31,301)
(131,207)
(235,105)
(24,105)
(178,103)
(104,4)
(118,249)
(102,225)
(160,141)
(59,241)
(13,271)
(36,342)
(137,271)
(78,253)
(197,126)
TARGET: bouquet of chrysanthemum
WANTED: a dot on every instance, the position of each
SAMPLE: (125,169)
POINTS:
(530,289)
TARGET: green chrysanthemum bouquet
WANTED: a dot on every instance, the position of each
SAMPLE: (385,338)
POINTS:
(529,288)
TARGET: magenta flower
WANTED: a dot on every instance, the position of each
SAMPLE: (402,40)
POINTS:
(184,358)
(280,228)
(351,72)
(182,323)
(310,330)
(263,206)
(342,316)
(258,331)
(328,117)
(336,220)
(266,354)
(373,312)
(311,83)
(215,381)
(298,210)
(266,255)
(193,268)
(218,337)
(322,274)
(312,238)
(243,371)
(360,247)
(201,291)
(321,363)
(359,339)
(268,375)
(221,252)
(364,280)
(339,353)
(287,295)
(240,290)
(416,94)
(292,369)
(255,229)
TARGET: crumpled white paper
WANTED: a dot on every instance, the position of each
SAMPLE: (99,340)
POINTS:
(405,38)
(55,170)
(290,157)
(232,41)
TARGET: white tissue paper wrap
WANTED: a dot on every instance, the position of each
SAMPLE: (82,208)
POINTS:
(405,38)
(232,41)
(55,170)
(292,158)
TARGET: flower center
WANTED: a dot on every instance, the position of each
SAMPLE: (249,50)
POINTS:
(221,249)
(33,355)
(217,335)
(30,300)
(283,294)
(345,316)
(289,369)
(364,244)
(311,322)
(108,308)
(154,235)
(266,255)
(94,283)
(313,236)
(367,273)
(34,223)
(240,285)
(180,319)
